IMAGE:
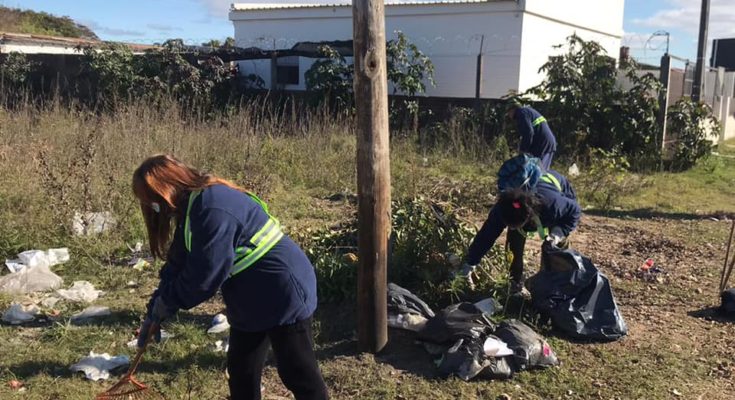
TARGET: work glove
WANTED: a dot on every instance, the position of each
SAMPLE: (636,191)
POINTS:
(466,271)
(555,237)
(158,311)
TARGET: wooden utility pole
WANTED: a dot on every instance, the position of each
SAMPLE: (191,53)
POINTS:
(478,75)
(665,77)
(373,172)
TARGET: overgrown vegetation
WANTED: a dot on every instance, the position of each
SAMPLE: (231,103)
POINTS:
(40,23)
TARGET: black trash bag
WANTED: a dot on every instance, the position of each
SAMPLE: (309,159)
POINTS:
(530,349)
(466,360)
(406,310)
(458,321)
(402,301)
(728,302)
(576,296)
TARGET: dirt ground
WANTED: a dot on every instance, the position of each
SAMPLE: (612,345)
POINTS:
(677,347)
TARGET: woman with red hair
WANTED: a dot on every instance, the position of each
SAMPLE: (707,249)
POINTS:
(225,238)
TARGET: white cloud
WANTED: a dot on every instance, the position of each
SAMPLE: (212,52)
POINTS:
(110,31)
(684,15)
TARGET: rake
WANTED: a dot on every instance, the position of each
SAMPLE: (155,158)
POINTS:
(727,270)
(128,388)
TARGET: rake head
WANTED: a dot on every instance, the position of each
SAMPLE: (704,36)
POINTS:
(129,389)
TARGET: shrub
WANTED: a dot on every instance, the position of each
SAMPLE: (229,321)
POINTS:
(607,179)
(691,126)
(330,78)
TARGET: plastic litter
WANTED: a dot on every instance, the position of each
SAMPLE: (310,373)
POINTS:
(573,171)
(97,367)
(410,322)
(14,266)
(50,301)
(576,296)
(489,306)
(530,349)
(92,223)
(80,291)
(466,360)
(15,384)
(30,280)
(18,314)
(90,313)
(494,347)
(222,346)
(139,264)
(219,324)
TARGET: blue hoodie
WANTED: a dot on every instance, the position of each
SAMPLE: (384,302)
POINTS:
(558,209)
(279,289)
(536,139)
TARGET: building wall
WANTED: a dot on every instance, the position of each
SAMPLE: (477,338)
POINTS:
(540,35)
(37,49)
(449,34)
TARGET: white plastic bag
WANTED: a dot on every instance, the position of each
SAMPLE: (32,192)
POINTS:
(89,313)
(80,291)
(98,366)
(30,280)
(219,324)
(92,223)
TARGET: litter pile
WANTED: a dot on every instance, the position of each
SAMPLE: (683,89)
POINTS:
(465,342)
(31,272)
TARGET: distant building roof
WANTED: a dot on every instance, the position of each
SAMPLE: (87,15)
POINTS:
(37,43)
(389,3)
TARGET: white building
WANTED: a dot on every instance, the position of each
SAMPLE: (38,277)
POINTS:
(517,35)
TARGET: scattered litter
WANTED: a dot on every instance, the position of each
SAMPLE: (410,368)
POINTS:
(219,324)
(38,258)
(137,248)
(92,223)
(573,171)
(89,313)
(50,301)
(15,384)
(80,291)
(494,347)
(222,346)
(18,314)
(30,280)
(139,264)
(489,306)
(98,366)
(14,266)
(647,265)
(453,260)
(132,284)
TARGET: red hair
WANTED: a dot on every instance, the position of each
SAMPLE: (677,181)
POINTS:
(167,181)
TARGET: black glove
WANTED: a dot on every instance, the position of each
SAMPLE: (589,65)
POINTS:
(145,331)
(158,311)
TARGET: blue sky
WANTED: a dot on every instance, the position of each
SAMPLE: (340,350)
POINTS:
(196,21)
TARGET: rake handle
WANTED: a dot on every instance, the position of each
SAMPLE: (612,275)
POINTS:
(139,354)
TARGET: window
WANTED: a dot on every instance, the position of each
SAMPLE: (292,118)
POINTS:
(287,70)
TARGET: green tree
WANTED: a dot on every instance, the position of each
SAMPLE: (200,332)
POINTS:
(330,79)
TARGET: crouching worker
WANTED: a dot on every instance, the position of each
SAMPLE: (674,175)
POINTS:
(226,239)
(548,208)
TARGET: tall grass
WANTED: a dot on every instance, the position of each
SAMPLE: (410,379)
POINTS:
(59,159)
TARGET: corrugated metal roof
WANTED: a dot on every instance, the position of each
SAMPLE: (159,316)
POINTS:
(282,6)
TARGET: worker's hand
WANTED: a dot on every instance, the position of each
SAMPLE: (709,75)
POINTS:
(555,237)
(145,331)
(158,310)
(466,271)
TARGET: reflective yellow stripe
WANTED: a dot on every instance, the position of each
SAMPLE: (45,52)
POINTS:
(538,121)
(270,240)
(187,223)
(548,178)
(263,240)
